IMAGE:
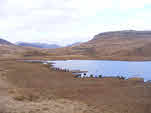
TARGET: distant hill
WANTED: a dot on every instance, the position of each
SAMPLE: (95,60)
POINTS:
(117,45)
(9,50)
(124,34)
(38,45)
(2,41)
(74,44)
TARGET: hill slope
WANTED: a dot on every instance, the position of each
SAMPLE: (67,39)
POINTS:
(2,41)
(118,45)
(9,50)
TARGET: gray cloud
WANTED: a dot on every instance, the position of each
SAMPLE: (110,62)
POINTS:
(67,21)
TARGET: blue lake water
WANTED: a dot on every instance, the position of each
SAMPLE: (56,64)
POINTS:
(108,68)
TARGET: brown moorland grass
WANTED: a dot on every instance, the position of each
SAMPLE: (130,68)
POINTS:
(36,82)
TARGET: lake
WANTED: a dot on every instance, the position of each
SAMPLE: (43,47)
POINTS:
(107,68)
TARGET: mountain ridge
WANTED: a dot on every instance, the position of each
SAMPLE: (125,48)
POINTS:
(117,45)
(38,45)
(124,33)
(2,41)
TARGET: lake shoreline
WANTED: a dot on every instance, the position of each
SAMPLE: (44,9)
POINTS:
(69,57)
(78,73)
(71,65)
(101,95)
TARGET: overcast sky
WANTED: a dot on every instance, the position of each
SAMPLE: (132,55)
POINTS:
(68,21)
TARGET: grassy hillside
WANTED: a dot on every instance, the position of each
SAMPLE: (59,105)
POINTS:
(120,45)
(9,50)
